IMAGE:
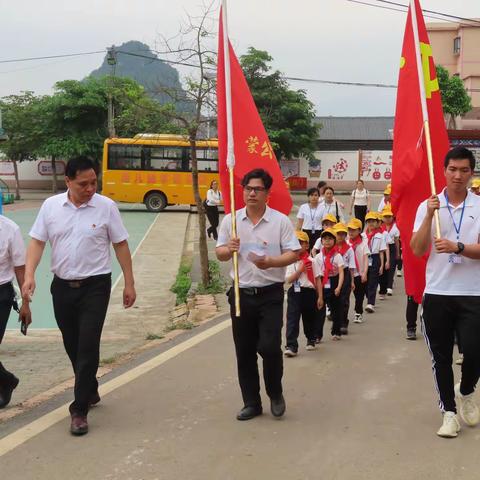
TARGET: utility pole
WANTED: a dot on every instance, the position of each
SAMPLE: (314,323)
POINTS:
(112,61)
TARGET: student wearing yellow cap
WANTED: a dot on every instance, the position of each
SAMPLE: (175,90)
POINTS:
(377,247)
(344,249)
(392,238)
(386,198)
(328,221)
(301,299)
(362,253)
(475,188)
(328,269)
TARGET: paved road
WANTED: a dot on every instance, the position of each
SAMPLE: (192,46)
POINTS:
(361,408)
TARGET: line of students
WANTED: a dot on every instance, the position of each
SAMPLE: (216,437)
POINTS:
(343,260)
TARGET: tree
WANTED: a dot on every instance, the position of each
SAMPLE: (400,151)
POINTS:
(288,116)
(455,99)
(20,125)
(193,47)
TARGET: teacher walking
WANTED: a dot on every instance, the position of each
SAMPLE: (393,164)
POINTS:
(214,199)
(360,202)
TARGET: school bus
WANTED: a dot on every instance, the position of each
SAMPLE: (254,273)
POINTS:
(156,169)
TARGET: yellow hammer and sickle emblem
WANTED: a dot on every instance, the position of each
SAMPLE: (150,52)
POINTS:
(430,85)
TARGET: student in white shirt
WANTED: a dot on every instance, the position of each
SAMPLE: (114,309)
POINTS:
(266,244)
(328,269)
(360,202)
(393,248)
(80,226)
(362,253)
(385,201)
(451,302)
(301,299)
(377,247)
(213,200)
(12,265)
(328,221)
(348,255)
(310,215)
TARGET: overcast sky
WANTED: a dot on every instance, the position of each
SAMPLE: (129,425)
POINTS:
(322,39)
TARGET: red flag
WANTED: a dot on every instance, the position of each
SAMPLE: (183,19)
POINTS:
(410,177)
(252,146)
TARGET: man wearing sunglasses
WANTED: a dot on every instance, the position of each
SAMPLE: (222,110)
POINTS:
(266,243)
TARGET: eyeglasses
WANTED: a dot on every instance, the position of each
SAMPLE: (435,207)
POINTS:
(250,189)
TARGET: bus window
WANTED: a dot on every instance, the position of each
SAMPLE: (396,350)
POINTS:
(124,157)
(207,159)
(164,158)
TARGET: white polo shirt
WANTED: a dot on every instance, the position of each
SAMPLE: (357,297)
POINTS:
(393,234)
(271,236)
(319,265)
(377,243)
(312,217)
(444,277)
(362,253)
(12,249)
(80,237)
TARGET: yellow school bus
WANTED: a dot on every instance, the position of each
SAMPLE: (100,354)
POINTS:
(156,169)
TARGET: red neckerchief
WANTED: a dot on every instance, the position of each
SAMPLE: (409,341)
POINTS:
(371,234)
(327,261)
(354,244)
(342,249)
(305,258)
(383,227)
(391,226)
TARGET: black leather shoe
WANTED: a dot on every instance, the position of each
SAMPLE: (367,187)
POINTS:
(277,406)
(7,390)
(247,413)
(94,399)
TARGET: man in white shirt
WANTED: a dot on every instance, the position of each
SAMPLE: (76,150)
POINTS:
(12,264)
(451,302)
(266,244)
(80,226)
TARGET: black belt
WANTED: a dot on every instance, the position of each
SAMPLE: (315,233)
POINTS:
(6,286)
(83,281)
(261,290)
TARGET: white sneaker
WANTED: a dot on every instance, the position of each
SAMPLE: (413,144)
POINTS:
(290,353)
(328,314)
(468,408)
(389,292)
(370,308)
(459,360)
(450,426)
(358,318)
(311,347)
(399,273)
(381,297)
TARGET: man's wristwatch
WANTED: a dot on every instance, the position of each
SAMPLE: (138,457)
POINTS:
(461,248)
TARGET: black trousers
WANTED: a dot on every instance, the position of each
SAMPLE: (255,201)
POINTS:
(442,317)
(345,296)
(399,259)
(335,305)
(411,313)
(258,330)
(80,314)
(373,275)
(212,215)
(301,304)
(359,293)
(6,303)
(386,278)
(360,212)
(312,237)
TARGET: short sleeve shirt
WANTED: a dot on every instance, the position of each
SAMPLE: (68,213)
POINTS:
(303,278)
(361,252)
(271,236)
(444,277)
(12,249)
(349,259)
(312,217)
(80,237)
(319,265)
(377,243)
(393,234)
(360,198)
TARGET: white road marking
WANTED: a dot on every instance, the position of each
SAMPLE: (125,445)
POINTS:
(22,435)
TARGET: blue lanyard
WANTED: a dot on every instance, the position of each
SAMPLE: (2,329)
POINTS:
(457,229)
(312,217)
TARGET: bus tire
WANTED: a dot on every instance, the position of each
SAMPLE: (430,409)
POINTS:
(155,202)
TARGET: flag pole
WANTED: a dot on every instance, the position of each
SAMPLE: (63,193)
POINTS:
(423,98)
(230,152)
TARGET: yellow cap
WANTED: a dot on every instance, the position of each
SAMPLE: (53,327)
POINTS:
(329,231)
(387,212)
(302,236)
(476,183)
(340,227)
(355,224)
(330,218)
(387,191)
(371,216)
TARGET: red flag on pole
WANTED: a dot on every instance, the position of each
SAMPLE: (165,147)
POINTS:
(419,106)
(251,144)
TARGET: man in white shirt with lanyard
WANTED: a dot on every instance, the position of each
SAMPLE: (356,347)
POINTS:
(80,226)
(266,244)
(451,302)
(12,265)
